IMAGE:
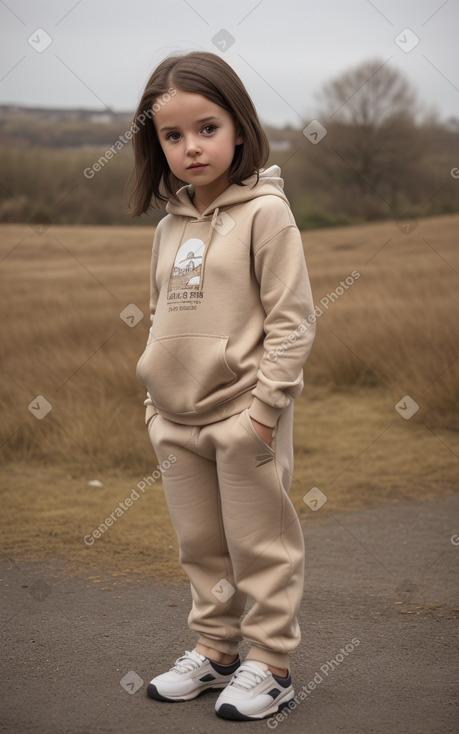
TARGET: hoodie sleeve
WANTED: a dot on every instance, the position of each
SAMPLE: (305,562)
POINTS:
(285,293)
(150,407)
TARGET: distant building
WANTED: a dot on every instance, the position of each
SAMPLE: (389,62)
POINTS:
(101,118)
(279,146)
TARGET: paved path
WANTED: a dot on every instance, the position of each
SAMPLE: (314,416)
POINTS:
(382,582)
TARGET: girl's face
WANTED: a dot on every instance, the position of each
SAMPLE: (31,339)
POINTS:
(198,139)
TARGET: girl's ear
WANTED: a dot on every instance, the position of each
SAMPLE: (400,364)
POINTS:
(239,137)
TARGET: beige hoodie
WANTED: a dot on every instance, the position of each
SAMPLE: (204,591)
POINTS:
(230,299)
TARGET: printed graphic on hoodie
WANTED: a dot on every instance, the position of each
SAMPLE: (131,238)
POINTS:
(186,270)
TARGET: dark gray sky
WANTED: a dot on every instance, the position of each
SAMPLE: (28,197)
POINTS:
(99,53)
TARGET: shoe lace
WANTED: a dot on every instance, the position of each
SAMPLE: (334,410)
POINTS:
(189,661)
(248,676)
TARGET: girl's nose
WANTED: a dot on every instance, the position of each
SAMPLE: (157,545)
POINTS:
(192,146)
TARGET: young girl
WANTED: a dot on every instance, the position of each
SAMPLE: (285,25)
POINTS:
(223,363)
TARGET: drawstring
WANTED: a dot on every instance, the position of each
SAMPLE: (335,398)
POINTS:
(207,245)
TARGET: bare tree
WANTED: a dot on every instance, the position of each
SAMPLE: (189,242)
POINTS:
(370,95)
(373,147)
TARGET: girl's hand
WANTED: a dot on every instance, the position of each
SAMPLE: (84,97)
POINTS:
(265,432)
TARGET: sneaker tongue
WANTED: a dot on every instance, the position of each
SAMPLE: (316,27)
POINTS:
(195,652)
(249,675)
(263,666)
(188,661)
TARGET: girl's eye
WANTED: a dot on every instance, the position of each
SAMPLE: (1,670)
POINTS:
(208,129)
(173,136)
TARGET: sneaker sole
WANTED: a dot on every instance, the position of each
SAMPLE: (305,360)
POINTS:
(153,692)
(229,711)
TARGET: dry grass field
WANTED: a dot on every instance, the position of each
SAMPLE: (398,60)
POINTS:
(393,332)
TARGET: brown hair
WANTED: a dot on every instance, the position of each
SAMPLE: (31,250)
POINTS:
(199,73)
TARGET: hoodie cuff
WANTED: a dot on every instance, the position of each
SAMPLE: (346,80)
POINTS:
(264,413)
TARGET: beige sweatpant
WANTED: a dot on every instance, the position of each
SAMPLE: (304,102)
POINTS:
(238,532)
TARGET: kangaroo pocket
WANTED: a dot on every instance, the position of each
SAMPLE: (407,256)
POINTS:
(186,373)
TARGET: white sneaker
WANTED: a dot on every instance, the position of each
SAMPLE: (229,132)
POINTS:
(254,693)
(191,675)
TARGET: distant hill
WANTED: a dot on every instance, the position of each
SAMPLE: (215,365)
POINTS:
(69,128)
(60,128)
(66,115)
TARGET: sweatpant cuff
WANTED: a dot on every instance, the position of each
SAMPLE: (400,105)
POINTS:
(226,646)
(260,655)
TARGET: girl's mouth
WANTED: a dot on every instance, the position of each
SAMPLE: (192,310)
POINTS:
(195,166)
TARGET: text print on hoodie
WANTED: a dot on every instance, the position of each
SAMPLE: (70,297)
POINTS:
(228,286)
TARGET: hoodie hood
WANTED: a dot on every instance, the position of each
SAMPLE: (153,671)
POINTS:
(269,183)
